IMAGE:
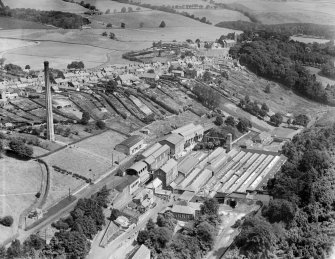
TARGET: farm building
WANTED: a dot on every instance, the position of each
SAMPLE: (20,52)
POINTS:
(125,190)
(158,158)
(176,144)
(167,173)
(141,170)
(131,145)
(142,253)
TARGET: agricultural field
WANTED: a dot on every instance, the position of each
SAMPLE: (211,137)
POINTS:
(274,12)
(103,5)
(174,2)
(7,23)
(61,47)
(217,15)
(11,44)
(46,5)
(20,181)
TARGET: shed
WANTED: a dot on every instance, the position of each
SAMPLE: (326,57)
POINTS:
(131,145)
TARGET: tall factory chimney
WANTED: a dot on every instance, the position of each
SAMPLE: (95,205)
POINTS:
(229,142)
(48,103)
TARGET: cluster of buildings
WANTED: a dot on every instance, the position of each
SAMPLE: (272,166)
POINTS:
(170,168)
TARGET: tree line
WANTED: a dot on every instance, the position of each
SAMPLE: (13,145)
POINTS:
(298,221)
(289,29)
(281,60)
(72,240)
(59,19)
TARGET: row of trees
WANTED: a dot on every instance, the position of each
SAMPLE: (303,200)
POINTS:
(207,96)
(74,233)
(192,241)
(298,221)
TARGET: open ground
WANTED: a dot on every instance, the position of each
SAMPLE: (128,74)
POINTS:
(91,158)
(218,15)
(273,12)
(46,5)
(103,5)
(20,182)
(61,47)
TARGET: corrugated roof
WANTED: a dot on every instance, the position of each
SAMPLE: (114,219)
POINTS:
(150,150)
(187,165)
(192,131)
(160,151)
(174,139)
(138,166)
(169,165)
(183,128)
(142,253)
(131,141)
(124,184)
(183,209)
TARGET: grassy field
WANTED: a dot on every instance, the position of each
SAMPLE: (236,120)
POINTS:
(324,80)
(61,47)
(7,23)
(9,44)
(103,5)
(174,2)
(218,15)
(309,40)
(46,5)
(272,12)
(103,144)
(20,181)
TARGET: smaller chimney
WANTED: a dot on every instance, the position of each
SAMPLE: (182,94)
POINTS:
(229,142)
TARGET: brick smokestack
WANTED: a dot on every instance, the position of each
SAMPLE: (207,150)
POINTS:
(48,103)
(229,142)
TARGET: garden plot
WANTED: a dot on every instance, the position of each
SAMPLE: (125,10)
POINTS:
(159,111)
(86,105)
(162,99)
(27,115)
(144,108)
(25,104)
(42,113)
(129,105)
(117,105)
(10,117)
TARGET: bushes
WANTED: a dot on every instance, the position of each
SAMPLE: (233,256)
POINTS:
(7,221)
(20,148)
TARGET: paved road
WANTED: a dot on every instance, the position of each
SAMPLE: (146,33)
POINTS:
(110,252)
(109,180)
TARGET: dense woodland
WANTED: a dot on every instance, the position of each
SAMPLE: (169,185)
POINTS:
(72,240)
(289,29)
(299,221)
(193,240)
(55,18)
(277,58)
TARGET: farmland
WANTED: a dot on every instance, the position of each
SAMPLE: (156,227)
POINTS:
(218,15)
(306,39)
(20,181)
(274,12)
(103,5)
(7,23)
(174,2)
(46,5)
(324,80)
